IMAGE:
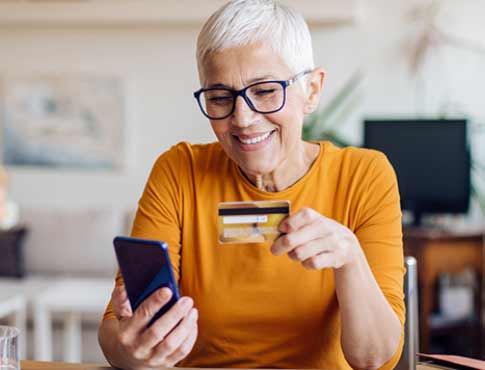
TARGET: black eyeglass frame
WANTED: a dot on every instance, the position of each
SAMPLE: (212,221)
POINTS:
(235,93)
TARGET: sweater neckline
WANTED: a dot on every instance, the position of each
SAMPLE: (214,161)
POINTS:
(280,194)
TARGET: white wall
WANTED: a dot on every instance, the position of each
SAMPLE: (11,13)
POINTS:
(158,66)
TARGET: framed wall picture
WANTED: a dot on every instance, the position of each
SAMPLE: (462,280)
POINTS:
(62,121)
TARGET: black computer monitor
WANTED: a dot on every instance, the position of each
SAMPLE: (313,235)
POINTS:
(431,159)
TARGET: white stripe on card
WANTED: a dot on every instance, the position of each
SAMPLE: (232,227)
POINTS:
(251,219)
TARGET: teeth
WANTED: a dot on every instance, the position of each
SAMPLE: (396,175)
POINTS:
(255,140)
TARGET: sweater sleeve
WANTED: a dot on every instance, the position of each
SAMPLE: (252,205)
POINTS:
(379,231)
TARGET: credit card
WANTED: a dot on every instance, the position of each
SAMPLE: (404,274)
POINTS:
(251,222)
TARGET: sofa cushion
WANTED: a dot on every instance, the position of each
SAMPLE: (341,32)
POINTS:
(71,242)
(11,250)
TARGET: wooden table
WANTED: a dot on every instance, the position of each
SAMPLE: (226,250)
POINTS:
(437,252)
(37,365)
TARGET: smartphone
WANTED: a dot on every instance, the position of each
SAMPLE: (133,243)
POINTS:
(145,267)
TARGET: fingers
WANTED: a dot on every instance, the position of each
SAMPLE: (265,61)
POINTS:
(120,302)
(153,335)
(288,242)
(301,218)
(145,312)
(310,249)
(316,241)
(170,347)
(323,260)
(338,252)
(184,349)
(170,335)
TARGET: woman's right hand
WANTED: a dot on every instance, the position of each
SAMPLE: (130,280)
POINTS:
(167,341)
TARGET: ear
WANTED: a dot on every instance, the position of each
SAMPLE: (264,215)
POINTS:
(315,87)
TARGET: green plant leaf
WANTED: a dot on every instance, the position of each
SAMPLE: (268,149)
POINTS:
(318,124)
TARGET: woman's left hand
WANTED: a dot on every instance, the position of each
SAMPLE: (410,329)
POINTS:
(316,241)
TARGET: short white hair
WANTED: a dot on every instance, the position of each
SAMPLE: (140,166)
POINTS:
(243,22)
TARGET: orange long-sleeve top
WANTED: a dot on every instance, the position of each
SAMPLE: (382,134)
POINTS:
(257,310)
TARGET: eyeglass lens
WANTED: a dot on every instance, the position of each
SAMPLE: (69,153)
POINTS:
(265,97)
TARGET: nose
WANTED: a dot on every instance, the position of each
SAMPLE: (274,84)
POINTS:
(243,115)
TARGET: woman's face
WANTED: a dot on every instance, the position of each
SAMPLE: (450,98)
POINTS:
(237,68)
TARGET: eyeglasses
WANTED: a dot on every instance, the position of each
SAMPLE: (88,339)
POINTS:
(262,97)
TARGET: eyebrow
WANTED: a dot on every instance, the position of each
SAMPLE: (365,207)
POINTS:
(251,81)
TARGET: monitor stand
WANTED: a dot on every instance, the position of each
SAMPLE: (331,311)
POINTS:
(417,221)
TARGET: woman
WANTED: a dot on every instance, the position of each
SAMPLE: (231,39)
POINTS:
(328,292)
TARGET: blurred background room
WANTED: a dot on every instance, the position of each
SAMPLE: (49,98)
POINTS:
(93,91)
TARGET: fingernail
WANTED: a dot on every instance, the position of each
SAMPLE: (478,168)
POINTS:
(194,314)
(283,227)
(165,293)
(185,301)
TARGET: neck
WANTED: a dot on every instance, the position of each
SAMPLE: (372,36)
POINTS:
(289,171)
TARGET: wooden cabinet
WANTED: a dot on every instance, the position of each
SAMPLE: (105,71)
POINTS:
(438,252)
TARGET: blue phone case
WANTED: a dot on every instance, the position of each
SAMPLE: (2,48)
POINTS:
(145,267)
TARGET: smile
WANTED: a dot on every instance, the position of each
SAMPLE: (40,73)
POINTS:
(254,140)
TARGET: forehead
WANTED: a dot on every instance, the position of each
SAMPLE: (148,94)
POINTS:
(239,65)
